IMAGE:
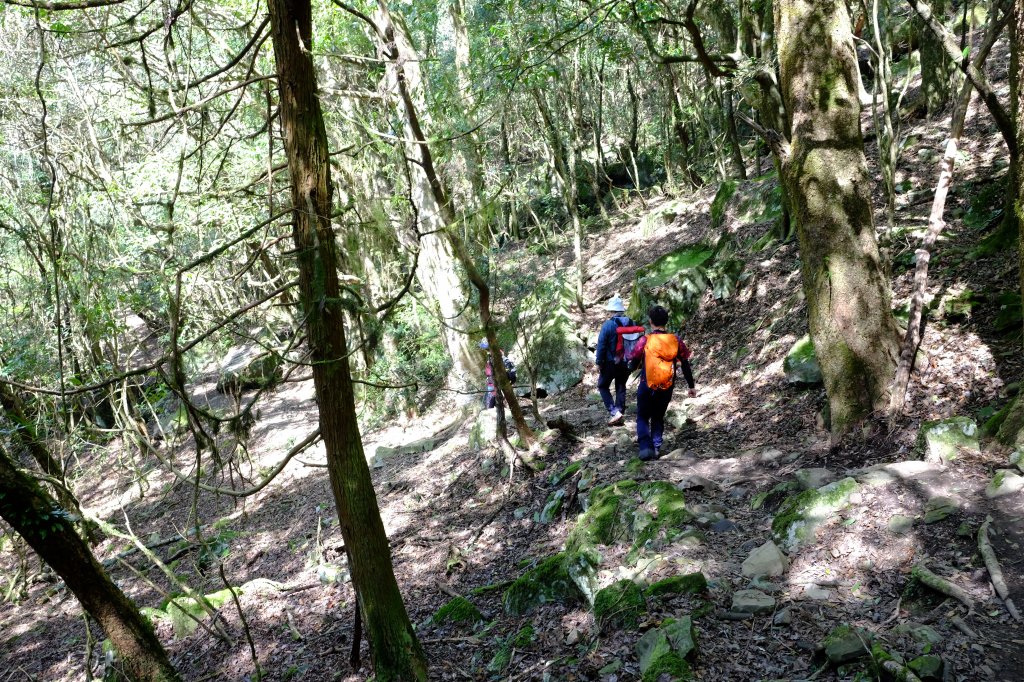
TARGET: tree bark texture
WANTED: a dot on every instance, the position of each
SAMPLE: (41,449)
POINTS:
(1012,430)
(848,300)
(45,526)
(437,272)
(396,653)
(936,67)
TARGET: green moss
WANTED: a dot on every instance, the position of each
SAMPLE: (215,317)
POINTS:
(620,604)
(556,479)
(800,515)
(458,610)
(669,664)
(550,580)
(518,641)
(691,583)
(626,511)
(725,192)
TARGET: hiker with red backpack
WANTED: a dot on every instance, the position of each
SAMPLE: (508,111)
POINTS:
(657,354)
(616,339)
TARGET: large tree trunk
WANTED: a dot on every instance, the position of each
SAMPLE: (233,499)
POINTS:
(848,300)
(437,273)
(1012,430)
(396,653)
(46,527)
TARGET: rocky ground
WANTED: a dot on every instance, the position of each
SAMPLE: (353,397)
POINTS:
(755,549)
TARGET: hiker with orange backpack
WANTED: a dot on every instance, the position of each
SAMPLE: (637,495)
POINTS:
(657,355)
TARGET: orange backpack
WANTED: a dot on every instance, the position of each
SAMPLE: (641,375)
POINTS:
(659,360)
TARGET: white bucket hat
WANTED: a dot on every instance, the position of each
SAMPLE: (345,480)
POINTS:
(615,304)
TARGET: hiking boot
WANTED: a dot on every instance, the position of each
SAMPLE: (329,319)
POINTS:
(648,455)
(616,418)
(657,453)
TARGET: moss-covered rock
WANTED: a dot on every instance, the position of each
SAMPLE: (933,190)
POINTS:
(514,642)
(552,506)
(565,577)
(620,605)
(943,440)
(801,515)
(725,192)
(249,366)
(645,515)
(664,650)
(845,644)
(691,583)
(801,363)
(458,610)
(186,612)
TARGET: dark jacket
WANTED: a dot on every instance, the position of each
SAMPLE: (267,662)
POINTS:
(607,339)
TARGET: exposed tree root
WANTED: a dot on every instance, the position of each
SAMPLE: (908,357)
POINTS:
(940,584)
(995,572)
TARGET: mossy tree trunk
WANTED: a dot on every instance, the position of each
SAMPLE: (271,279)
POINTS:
(848,300)
(1012,430)
(396,652)
(45,526)
(936,67)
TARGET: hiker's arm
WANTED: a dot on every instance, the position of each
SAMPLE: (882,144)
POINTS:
(687,373)
(605,339)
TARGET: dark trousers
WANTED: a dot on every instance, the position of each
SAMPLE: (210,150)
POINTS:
(619,373)
(651,405)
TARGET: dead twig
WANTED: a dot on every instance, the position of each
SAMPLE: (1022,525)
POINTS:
(940,584)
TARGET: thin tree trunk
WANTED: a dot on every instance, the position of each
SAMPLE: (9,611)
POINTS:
(396,652)
(848,300)
(45,526)
(912,339)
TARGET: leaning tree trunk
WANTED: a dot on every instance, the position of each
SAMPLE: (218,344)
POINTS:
(848,300)
(47,528)
(396,652)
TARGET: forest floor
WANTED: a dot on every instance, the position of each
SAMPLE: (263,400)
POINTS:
(459,524)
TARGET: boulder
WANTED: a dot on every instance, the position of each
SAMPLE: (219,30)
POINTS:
(801,515)
(557,578)
(906,471)
(801,363)
(564,369)
(767,560)
(248,366)
(1005,482)
(484,429)
(944,440)
(929,668)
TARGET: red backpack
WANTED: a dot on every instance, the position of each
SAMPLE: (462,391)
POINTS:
(627,337)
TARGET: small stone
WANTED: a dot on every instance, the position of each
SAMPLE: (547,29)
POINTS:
(752,601)
(760,583)
(572,637)
(965,530)
(939,507)
(783,617)
(1005,482)
(521,512)
(723,526)
(738,493)
(801,363)
(814,478)
(611,667)
(815,593)
(900,524)
(767,560)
